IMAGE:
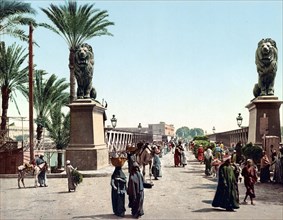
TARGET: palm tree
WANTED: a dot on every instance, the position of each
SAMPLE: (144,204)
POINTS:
(47,94)
(12,78)
(59,130)
(12,15)
(76,24)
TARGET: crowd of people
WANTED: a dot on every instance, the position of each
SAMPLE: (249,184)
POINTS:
(228,165)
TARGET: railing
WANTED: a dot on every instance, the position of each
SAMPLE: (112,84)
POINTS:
(118,140)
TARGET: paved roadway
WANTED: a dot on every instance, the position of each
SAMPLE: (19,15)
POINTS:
(182,193)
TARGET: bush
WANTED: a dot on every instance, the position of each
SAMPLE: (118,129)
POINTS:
(204,143)
(77,177)
(253,152)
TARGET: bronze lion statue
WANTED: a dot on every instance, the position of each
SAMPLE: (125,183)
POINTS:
(266,63)
(84,62)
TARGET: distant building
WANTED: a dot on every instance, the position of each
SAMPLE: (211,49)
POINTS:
(160,132)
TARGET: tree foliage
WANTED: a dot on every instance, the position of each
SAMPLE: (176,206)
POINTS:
(13,77)
(76,24)
(12,15)
(188,134)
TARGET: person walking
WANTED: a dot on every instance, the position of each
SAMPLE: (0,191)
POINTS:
(71,183)
(264,168)
(250,178)
(278,168)
(156,166)
(119,189)
(42,175)
(227,194)
(136,191)
(208,157)
(200,154)
(177,154)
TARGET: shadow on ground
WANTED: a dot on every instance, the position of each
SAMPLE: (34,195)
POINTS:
(105,216)
(210,210)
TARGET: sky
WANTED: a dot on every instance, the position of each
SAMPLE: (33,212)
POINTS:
(186,63)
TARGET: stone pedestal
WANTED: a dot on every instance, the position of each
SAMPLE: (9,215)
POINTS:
(87,149)
(264,118)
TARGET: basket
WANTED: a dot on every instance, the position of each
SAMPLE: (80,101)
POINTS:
(131,149)
(118,161)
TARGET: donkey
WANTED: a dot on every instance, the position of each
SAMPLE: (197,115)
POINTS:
(32,169)
(144,157)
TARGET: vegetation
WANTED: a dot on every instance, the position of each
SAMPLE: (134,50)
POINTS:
(12,16)
(59,129)
(188,134)
(253,152)
(47,93)
(201,140)
(76,24)
(13,78)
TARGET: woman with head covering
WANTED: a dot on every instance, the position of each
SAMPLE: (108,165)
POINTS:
(71,183)
(136,191)
(250,178)
(227,194)
(118,185)
(42,175)
(264,168)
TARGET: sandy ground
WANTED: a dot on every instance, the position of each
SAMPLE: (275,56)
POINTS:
(181,193)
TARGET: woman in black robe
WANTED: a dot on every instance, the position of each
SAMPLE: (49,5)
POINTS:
(118,184)
(227,194)
(136,191)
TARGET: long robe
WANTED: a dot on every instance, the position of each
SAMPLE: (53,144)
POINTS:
(136,192)
(250,178)
(227,194)
(118,192)
(208,156)
(156,166)
(278,170)
(200,154)
(42,174)
(71,184)
(264,169)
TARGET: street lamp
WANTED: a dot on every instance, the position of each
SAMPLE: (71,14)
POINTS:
(114,121)
(213,130)
(139,127)
(239,120)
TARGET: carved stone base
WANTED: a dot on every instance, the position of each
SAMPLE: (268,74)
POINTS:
(87,148)
(88,159)
(264,118)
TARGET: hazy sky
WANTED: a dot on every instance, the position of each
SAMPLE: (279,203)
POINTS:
(186,63)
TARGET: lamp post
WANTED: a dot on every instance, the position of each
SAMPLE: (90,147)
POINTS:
(114,121)
(239,120)
(213,130)
(139,127)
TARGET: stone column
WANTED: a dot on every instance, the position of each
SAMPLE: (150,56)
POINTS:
(264,118)
(87,149)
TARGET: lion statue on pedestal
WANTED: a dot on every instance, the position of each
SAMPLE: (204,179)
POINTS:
(84,61)
(266,63)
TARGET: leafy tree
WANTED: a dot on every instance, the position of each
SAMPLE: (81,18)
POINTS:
(58,127)
(47,93)
(253,152)
(13,78)
(76,24)
(12,15)
(188,134)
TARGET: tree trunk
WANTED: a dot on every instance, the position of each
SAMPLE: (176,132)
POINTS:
(5,102)
(72,75)
(59,159)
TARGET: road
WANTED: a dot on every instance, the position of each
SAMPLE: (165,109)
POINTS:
(181,193)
